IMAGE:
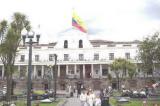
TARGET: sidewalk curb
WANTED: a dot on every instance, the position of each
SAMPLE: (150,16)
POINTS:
(64,101)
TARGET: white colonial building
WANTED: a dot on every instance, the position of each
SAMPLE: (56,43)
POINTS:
(79,61)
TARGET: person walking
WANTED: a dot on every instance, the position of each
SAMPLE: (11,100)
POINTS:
(90,98)
(83,99)
(97,101)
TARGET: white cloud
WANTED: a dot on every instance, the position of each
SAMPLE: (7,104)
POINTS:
(110,19)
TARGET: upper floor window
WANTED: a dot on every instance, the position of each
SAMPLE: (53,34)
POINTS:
(111,56)
(36,57)
(80,44)
(127,45)
(96,56)
(81,57)
(22,58)
(51,57)
(127,55)
(65,44)
(111,45)
(66,57)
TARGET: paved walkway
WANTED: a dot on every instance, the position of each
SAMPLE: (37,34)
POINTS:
(73,102)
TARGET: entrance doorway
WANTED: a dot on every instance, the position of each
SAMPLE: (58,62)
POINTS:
(88,70)
(62,71)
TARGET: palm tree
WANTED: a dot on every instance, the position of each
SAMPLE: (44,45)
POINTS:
(9,45)
(3,27)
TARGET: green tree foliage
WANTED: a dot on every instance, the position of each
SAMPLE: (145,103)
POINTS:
(131,69)
(148,53)
(120,66)
(11,34)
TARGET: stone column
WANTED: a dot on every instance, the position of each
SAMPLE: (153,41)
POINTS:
(2,72)
(42,71)
(92,70)
(100,69)
(58,71)
(35,71)
(66,69)
(19,70)
(26,70)
(84,73)
(75,70)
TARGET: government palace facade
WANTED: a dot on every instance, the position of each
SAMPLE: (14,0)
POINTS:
(79,61)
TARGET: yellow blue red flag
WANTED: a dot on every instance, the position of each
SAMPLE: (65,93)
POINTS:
(78,23)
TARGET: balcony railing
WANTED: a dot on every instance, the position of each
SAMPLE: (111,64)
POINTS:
(74,76)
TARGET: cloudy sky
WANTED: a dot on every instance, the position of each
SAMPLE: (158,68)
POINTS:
(118,20)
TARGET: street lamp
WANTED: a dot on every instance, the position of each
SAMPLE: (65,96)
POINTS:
(55,75)
(30,36)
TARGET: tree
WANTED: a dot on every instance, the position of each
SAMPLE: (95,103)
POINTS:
(131,69)
(120,66)
(9,45)
(148,53)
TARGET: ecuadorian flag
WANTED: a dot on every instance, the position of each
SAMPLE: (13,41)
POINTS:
(78,23)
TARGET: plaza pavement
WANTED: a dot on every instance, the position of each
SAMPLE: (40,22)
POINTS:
(72,102)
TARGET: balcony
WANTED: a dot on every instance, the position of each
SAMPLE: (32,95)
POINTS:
(73,76)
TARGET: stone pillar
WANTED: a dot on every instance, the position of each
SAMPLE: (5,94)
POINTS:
(66,69)
(19,69)
(26,70)
(2,72)
(100,69)
(58,71)
(84,73)
(42,71)
(92,70)
(35,71)
(109,69)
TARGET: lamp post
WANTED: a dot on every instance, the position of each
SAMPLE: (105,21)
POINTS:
(55,75)
(30,36)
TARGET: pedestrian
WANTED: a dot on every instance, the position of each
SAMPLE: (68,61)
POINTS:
(83,98)
(97,101)
(90,98)
(101,94)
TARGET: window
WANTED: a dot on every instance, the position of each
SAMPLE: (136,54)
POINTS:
(37,47)
(111,56)
(96,71)
(39,73)
(127,55)
(22,58)
(96,56)
(70,71)
(65,44)
(127,45)
(81,57)
(104,72)
(80,44)
(111,45)
(51,57)
(36,57)
(66,57)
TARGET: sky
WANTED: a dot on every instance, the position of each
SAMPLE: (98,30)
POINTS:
(113,20)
